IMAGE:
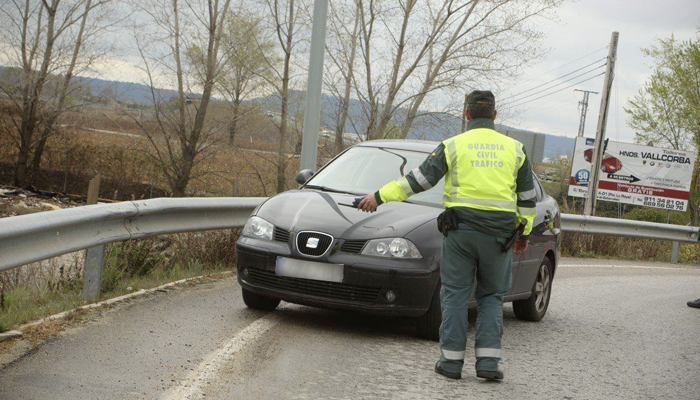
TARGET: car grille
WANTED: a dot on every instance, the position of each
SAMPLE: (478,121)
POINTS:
(324,242)
(331,290)
(353,246)
(281,235)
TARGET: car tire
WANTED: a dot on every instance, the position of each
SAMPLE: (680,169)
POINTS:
(428,325)
(535,307)
(259,301)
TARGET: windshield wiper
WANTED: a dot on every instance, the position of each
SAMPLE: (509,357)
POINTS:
(327,189)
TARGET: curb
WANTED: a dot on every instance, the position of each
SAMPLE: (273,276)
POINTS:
(9,335)
(113,300)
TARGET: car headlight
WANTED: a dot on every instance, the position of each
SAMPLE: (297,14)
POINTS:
(391,247)
(258,227)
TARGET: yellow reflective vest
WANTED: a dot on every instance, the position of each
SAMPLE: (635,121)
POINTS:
(483,168)
(483,171)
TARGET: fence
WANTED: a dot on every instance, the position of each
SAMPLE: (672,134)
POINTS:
(35,237)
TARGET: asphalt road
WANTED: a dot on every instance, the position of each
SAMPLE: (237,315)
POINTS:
(620,332)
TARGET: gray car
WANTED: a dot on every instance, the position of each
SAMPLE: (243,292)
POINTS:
(310,246)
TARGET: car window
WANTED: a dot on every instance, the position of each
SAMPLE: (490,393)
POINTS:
(367,169)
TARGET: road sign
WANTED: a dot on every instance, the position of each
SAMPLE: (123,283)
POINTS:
(634,174)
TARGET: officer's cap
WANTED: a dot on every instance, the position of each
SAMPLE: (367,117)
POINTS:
(481,97)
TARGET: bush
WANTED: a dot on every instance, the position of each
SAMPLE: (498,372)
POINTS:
(4,326)
(689,253)
(135,257)
(589,246)
(657,215)
(210,249)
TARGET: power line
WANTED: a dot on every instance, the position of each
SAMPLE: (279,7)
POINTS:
(564,65)
(552,87)
(583,104)
(549,94)
(553,80)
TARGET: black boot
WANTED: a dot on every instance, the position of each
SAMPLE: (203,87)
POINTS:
(448,374)
(694,303)
(496,375)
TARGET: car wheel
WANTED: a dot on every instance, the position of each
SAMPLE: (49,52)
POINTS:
(535,307)
(429,324)
(259,301)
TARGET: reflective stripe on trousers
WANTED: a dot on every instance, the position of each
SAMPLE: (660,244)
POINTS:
(453,355)
(487,352)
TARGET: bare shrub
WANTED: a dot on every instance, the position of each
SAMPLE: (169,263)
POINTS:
(53,274)
(210,249)
(582,245)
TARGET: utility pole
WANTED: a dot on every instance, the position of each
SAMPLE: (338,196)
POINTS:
(589,207)
(312,110)
(583,105)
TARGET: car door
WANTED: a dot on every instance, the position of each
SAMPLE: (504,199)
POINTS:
(529,262)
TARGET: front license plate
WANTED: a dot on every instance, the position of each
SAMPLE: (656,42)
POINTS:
(294,268)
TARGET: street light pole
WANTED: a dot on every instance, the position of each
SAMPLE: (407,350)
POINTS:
(312,110)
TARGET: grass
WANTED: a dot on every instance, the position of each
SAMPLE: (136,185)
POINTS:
(23,304)
(129,267)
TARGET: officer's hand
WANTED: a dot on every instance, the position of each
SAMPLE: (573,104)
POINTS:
(520,246)
(368,203)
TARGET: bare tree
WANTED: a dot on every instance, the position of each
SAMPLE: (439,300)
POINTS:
(43,42)
(438,47)
(246,51)
(341,47)
(178,136)
(284,20)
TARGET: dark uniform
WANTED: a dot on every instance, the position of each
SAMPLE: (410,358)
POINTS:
(489,186)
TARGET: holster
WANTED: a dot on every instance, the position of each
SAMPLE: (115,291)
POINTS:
(517,233)
(447,221)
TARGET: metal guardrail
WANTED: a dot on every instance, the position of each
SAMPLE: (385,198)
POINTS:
(35,237)
(628,228)
(29,238)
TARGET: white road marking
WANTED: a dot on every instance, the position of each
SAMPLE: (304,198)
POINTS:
(627,266)
(208,369)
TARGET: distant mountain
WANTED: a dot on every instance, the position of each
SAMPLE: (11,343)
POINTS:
(559,146)
(122,92)
(437,126)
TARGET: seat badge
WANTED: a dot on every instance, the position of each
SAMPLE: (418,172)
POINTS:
(312,243)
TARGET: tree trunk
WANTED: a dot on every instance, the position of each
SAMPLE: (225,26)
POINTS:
(21,178)
(38,154)
(343,115)
(234,122)
(464,113)
(281,157)
(48,126)
(32,102)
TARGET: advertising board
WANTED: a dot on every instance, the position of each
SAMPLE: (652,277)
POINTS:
(635,174)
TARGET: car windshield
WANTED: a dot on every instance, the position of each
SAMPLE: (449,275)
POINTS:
(363,170)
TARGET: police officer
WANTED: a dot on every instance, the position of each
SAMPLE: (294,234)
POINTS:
(489,188)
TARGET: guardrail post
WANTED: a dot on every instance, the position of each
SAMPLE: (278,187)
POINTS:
(674,252)
(95,255)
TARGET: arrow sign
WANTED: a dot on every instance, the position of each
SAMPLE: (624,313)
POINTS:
(627,178)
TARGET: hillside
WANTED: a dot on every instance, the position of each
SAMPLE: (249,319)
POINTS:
(433,127)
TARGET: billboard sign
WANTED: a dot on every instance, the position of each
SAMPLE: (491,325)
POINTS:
(634,174)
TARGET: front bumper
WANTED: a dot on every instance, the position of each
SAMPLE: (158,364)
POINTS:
(363,288)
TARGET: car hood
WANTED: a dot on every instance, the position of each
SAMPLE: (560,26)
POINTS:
(312,210)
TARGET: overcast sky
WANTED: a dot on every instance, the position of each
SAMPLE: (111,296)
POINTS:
(582,27)
(585,26)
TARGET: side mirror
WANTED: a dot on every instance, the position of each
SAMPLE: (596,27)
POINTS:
(304,175)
